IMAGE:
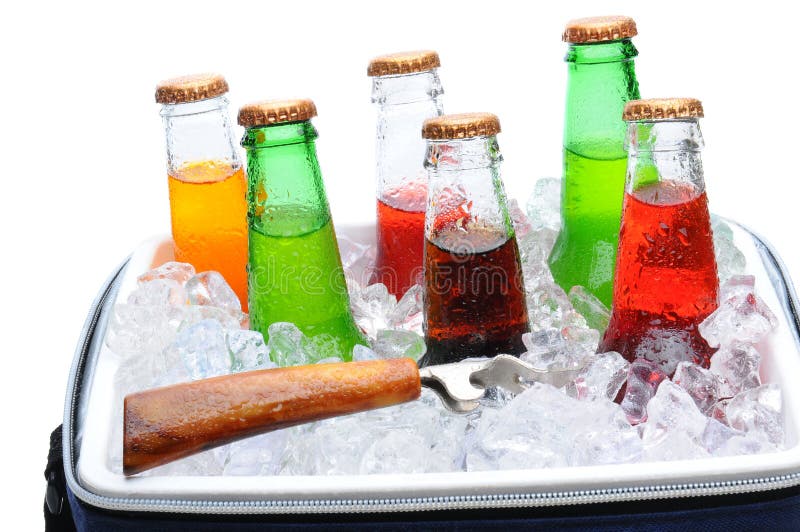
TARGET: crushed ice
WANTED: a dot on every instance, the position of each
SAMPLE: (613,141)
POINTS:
(180,325)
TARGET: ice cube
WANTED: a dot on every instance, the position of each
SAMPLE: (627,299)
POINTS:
(193,314)
(325,447)
(674,445)
(603,376)
(555,349)
(718,410)
(643,380)
(534,248)
(413,437)
(737,285)
(371,307)
(211,289)
(737,367)
(179,272)
(331,360)
(147,370)
(358,259)
(248,350)
(203,350)
(495,397)
(548,297)
(362,353)
(521,223)
(543,427)
(288,346)
(758,411)
(158,293)
(397,344)
(603,435)
(702,385)
(716,436)
(730,260)
(741,317)
(258,455)
(592,309)
(675,426)
(721,440)
(666,348)
(407,314)
(529,433)
(544,204)
(673,409)
(136,329)
(396,451)
(207,463)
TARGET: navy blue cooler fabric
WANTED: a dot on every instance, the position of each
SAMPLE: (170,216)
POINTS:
(773,510)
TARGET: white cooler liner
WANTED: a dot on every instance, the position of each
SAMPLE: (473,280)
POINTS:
(780,363)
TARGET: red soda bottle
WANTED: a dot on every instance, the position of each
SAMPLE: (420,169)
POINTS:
(406,89)
(666,277)
(474,299)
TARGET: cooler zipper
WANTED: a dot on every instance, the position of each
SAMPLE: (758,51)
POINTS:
(413,504)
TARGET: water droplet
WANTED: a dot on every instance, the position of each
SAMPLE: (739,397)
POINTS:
(683,236)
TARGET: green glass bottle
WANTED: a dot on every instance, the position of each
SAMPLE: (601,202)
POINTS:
(601,80)
(294,270)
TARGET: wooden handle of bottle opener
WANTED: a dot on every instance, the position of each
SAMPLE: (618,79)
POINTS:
(172,422)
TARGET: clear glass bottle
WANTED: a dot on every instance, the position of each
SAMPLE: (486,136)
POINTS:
(601,79)
(206,179)
(295,272)
(666,281)
(474,300)
(407,91)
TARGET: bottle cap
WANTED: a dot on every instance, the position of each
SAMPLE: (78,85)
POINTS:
(192,88)
(599,29)
(461,126)
(662,109)
(270,112)
(403,63)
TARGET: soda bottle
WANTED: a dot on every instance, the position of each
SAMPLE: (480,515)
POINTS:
(206,180)
(666,280)
(294,270)
(600,80)
(407,90)
(474,300)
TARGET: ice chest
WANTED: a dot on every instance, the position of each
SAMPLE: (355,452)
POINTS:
(730,493)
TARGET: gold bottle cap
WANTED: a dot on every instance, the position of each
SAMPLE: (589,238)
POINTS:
(193,88)
(461,126)
(271,112)
(403,63)
(662,109)
(599,29)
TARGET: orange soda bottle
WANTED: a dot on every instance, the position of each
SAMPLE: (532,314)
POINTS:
(207,186)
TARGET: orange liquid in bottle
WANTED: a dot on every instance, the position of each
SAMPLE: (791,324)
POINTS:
(209,220)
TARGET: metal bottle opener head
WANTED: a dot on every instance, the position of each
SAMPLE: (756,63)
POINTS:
(462,384)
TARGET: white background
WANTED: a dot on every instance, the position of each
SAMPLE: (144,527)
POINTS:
(83,158)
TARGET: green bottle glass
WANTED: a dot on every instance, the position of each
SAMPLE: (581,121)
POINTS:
(294,270)
(601,80)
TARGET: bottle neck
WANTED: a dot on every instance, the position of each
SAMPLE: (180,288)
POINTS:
(197,132)
(601,79)
(406,89)
(404,103)
(285,192)
(467,207)
(665,152)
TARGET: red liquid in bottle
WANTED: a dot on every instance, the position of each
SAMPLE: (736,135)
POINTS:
(401,238)
(666,278)
(474,299)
